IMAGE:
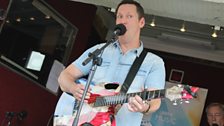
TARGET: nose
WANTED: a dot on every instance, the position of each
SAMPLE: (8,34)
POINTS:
(122,20)
(213,118)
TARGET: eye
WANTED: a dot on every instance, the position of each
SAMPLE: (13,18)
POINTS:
(119,16)
(129,16)
(217,114)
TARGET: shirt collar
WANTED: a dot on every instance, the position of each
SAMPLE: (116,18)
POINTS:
(136,50)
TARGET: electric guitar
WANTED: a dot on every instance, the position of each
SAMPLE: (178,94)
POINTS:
(102,102)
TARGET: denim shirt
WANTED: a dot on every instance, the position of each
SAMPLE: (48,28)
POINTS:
(114,68)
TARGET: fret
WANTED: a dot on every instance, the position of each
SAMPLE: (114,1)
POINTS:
(140,94)
(124,100)
(103,101)
(143,95)
(159,94)
(156,94)
(153,94)
(116,98)
(149,93)
(109,100)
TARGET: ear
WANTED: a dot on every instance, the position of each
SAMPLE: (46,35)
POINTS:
(142,22)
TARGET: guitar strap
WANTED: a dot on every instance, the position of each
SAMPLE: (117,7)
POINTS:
(133,71)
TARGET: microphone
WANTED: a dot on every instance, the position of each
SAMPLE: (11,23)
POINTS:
(119,29)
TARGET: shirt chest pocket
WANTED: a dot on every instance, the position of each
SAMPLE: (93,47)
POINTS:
(101,71)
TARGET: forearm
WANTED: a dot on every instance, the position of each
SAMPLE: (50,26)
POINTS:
(152,106)
(67,78)
(65,82)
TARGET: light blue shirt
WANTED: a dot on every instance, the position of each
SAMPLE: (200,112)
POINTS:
(114,68)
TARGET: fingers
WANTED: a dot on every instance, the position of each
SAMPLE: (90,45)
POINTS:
(135,104)
(78,92)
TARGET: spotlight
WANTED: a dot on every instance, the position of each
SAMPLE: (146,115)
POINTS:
(183,28)
(18,19)
(7,21)
(47,17)
(153,22)
(216,28)
(214,34)
(32,18)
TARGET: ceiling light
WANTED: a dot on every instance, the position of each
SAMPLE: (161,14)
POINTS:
(7,21)
(18,19)
(183,28)
(47,17)
(112,10)
(216,28)
(32,18)
(153,22)
(214,34)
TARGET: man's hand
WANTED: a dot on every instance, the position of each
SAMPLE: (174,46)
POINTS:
(136,104)
(77,90)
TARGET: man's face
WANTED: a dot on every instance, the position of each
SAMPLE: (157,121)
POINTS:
(127,15)
(215,115)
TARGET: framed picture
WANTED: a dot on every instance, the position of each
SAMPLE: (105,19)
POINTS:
(176,76)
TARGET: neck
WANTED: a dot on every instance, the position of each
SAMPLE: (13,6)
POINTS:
(123,98)
(126,46)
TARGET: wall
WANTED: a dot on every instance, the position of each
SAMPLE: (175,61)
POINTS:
(20,94)
(81,15)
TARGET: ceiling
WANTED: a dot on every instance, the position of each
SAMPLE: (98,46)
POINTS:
(199,11)
(199,17)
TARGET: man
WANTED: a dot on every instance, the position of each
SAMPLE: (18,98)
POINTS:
(117,60)
(215,114)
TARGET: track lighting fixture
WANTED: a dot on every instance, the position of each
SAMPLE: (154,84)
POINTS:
(215,28)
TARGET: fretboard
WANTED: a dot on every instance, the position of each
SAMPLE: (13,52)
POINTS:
(123,98)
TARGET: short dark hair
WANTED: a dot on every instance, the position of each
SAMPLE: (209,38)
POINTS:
(215,104)
(139,8)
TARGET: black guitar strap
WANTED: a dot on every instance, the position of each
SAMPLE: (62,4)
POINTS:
(133,71)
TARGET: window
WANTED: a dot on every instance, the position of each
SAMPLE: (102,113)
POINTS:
(33,37)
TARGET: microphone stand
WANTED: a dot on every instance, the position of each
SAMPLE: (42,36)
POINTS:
(97,61)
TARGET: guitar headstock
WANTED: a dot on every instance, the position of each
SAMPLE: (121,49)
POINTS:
(182,93)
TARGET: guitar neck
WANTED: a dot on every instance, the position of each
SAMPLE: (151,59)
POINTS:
(123,98)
